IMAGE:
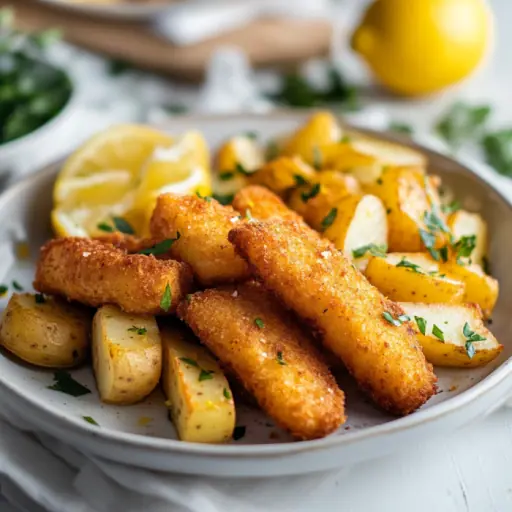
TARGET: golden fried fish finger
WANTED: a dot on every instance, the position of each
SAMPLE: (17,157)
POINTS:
(263,204)
(95,273)
(321,285)
(203,227)
(259,341)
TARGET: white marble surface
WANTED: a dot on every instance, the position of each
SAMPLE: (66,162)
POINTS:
(466,471)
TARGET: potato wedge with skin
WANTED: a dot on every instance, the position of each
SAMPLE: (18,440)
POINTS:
(413,277)
(463,223)
(281,174)
(126,354)
(480,288)
(46,331)
(314,200)
(198,394)
(238,154)
(450,320)
(358,221)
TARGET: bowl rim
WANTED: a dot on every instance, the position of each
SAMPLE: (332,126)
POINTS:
(481,172)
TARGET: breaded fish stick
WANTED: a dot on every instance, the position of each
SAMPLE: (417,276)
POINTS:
(262,204)
(95,273)
(321,285)
(257,339)
(203,227)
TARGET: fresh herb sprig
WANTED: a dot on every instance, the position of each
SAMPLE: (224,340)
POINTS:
(471,337)
(378,250)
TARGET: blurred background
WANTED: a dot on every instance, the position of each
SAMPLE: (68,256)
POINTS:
(437,69)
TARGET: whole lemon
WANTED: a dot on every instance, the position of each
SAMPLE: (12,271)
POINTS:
(417,47)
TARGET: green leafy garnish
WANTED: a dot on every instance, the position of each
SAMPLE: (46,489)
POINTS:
(345,139)
(226,175)
(378,250)
(176,109)
(329,219)
(162,247)
(189,361)
(280,359)
(299,180)
(205,375)
(139,330)
(497,148)
(452,207)
(242,170)
(17,286)
(259,323)
(224,199)
(3,290)
(389,318)
(238,432)
(39,298)
(66,384)
(486,265)
(434,223)
(313,192)
(464,247)
(421,323)
(226,394)
(251,134)
(400,127)
(90,420)
(438,333)
(317,158)
(166,301)
(123,226)
(462,123)
(410,266)
(117,67)
(206,198)
(471,337)
(103,226)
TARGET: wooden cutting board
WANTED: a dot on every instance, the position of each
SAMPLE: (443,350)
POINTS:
(267,42)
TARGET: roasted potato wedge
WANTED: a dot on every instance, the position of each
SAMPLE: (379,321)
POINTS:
(465,224)
(281,174)
(457,325)
(126,354)
(236,158)
(46,331)
(313,201)
(480,288)
(357,221)
(413,277)
(198,395)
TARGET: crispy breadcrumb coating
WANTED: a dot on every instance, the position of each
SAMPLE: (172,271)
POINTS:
(257,340)
(311,277)
(95,273)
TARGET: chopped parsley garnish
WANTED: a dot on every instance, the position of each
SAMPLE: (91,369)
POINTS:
(317,158)
(464,247)
(90,420)
(238,432)
(434,223)
(17,286)
(409,265)
(280,359)
(378,250)
(497,148)
(397,322)
(345,139)
(226,394)
(206,198)
(166,301)
(443,253)
(313,192)
(452,207)
(103,226)
(205,375)
(3,290)
(299,180)
(471,337)
(329,218)
(400,127)
(486,265)
(224,199)
(379,181)
(259,323)
(66,384)
(243,170)
(251,134)
(139,330)
(123,226)
(421,323)
(39,298)
(189,361)
(226,176)
(438,333)
(162,247)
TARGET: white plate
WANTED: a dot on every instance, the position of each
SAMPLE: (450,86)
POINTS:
(125,435)
(126,11)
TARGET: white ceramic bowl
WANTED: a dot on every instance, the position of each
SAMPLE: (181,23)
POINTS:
(465,394)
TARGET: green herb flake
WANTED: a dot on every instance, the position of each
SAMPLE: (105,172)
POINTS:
(345,139)
(224,199)
(388,211)
(497,147)
(39,298)
(90,420)
(409,265)
(486,265)
(3,290)
(280,359)
(238,432)
(117,67)
(123,226)
(166,301)
(251,134)
(103,226)
(17,286)
(450,208)
(443,253)
(189,361)
(421,323)
(226,175)
(299,180)
(401,127)
(379,181)
(317,158)
(162,247)
(464,247)
(65,383)
(313,192)
(438,333)
(139,330)
(378,250)
(206,198)
(404,318)
(389,318)
(259,323)
(471,337)
(329,219)
(243,170)
(227,394)
(205,375)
